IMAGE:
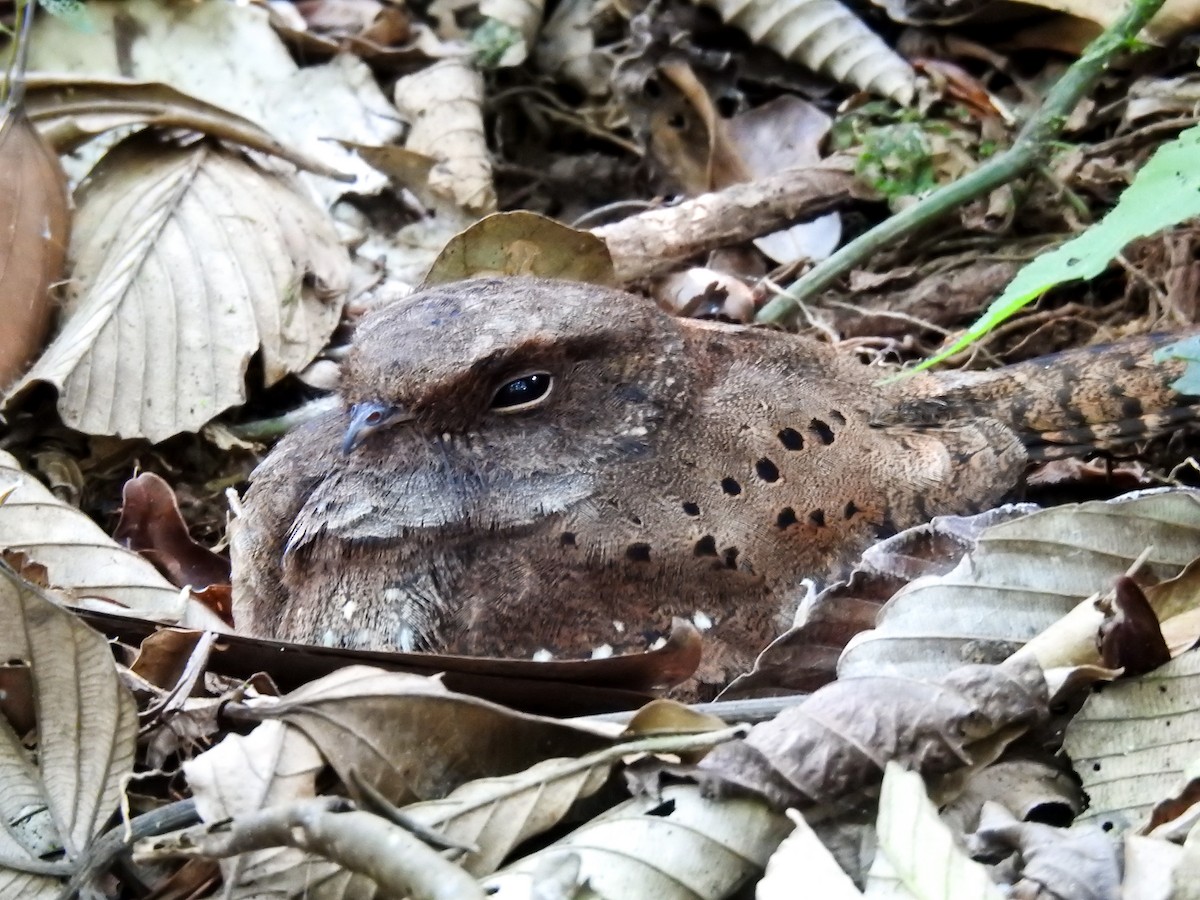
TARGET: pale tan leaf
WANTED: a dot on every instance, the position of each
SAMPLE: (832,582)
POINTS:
(443,104)
(34,222)
(274,765)
(189,260)
(1150,866)
(1021,577)
(650,847)
(1133,740)
(496,814)
(228,55)
(37,529)
(1175,18)
(803,859)
(405,734)
(56,798)
(523,243)
(828,38)
(917,849)
(70,110)
(566,49)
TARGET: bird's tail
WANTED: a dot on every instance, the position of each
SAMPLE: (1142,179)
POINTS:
(1105,398)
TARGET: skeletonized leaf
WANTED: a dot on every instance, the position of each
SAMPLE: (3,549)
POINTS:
(189,259)
(496,814)
(70,110)
(1133,740)
(404,734)
(917,849)
(828,38)
(79,559)
(56,798)
(34,221)
(1021,577)
(649,847)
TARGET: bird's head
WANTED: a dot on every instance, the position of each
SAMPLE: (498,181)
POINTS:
(515,359)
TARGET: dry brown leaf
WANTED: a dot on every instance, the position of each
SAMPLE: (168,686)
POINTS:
(1080,863)
(61,788)
(523,243)
(443,104)
(152,525)
(70,110)
(494,815)
(405,734)
(188,261)
(34,222)
(79,559)
(1042,790)
(828,38)
(649,847)
(832,745)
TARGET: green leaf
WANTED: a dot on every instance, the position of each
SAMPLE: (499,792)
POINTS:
(1165,192)
(1189,351)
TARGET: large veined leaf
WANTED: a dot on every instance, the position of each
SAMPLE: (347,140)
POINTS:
(188,260)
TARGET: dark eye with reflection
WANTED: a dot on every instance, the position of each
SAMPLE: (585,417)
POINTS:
(522,393)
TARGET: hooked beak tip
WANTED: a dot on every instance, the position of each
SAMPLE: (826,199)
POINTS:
(364,419)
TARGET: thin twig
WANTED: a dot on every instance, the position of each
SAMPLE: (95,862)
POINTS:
(1032,146)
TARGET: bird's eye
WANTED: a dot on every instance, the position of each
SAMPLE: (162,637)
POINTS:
(522,393)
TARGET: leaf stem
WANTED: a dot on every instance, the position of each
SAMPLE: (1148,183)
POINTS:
(1032,146)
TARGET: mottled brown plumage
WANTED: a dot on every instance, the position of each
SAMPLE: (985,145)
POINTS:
(675,468)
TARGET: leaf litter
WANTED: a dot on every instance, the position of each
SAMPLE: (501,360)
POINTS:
(204,274)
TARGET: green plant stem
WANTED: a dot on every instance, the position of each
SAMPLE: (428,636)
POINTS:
(1031,148)
(12,86)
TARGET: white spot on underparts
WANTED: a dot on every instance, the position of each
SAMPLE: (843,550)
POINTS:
(658,644)
(618,627)
(604,651)
(348,609)
(702,620)
(543,656)
(393,595)
(406,640)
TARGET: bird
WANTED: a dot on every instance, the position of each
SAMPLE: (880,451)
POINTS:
(532,468)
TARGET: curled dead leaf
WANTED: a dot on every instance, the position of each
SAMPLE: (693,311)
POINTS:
(70,110)
(444,104)
(152,525)
(75,556)
(831,745)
